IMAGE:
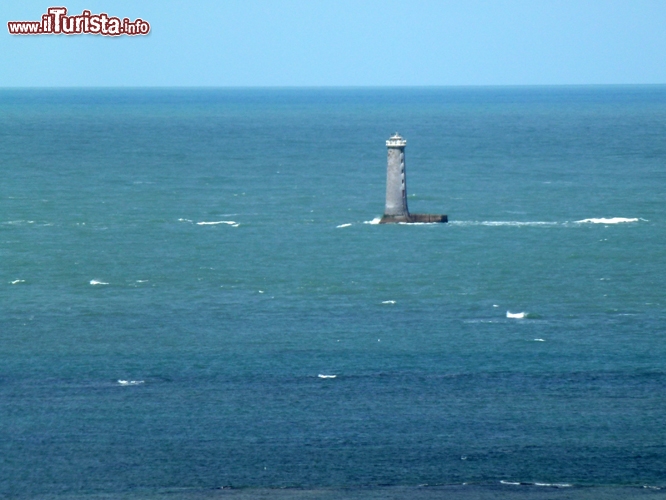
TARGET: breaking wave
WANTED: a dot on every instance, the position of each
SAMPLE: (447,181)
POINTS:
(519,315)
(514,223)
(501,223)
(612,220)
(214,223)
(550,485)
(130,382)
(420,223)
(16,222)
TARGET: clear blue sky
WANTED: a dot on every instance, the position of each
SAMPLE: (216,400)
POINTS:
(346,43)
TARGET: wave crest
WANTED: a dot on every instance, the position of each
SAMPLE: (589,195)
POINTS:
(612,220)
(214,223)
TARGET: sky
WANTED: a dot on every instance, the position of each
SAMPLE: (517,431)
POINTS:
(312,43)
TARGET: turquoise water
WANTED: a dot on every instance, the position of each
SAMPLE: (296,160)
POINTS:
(189,244)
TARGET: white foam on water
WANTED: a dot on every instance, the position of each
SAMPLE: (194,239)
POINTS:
(261,291)
(420,223)
(502,223)
(376,220)
(495,305)
(519,315)
(539,340)
(95,282)
(612,220)
(214,223)
(16,222)
(185,220)
(142,281)
(388,302)
(16,282)
(130,382)
(344,225)
(321,375)
(550,485)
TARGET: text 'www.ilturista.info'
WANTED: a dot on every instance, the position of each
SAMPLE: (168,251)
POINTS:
(56,22)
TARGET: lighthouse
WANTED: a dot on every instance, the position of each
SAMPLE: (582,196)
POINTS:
(395,209)
(396,187)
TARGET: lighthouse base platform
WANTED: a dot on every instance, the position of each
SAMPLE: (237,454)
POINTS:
(413,218)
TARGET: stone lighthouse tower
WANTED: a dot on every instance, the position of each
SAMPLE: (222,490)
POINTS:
(396,186)
(396,209)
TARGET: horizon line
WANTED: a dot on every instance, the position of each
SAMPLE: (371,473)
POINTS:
(323,87)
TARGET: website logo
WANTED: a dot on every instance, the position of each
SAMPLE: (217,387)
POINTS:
(57,22)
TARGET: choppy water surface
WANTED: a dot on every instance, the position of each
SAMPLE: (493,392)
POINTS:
(192,293)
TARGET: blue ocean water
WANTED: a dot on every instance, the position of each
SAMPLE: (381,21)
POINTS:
(178,267)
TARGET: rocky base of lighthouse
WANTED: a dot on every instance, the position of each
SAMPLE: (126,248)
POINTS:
(413,218)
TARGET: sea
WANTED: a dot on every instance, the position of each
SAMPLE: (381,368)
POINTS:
(197,301)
